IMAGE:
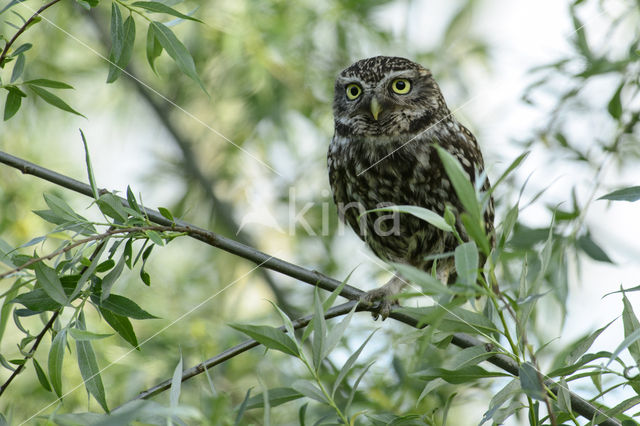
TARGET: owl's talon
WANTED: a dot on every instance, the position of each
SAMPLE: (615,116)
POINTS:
(384,300)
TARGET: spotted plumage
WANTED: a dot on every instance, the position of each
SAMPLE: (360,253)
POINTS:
(389,112)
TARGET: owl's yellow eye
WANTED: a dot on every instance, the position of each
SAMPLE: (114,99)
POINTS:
(401,86)
(353,91)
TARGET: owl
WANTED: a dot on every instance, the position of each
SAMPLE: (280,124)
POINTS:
(388,114)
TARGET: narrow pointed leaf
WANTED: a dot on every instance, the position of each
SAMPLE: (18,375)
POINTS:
(466,260)
(271,337)
(177,51)
(176,384)
(121,325)
(48,279)
(56,357)
(157,7)
(630,194)
(90,372)
(54,100)
(461,182)
(120,305)
(530,381)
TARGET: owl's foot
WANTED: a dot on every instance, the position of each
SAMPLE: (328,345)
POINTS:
(384,297)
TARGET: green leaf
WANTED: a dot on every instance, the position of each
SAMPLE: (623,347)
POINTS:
(48,279)
(111,206)
(336,333)
(111,278)
(87,160)
(631,331)
(54,100)
(425,214)
(176,384)
(630,194)
(131,199)
(583,345)
(277,396)
(615,104)
(166,213)
(91,372)
(56,357)
(157,7)
(44,82)
(177,51)
(23,48)
(461,182)
(121,325)
(476,232)
(88,4)
(503,395)
(18,67)
(120,59)
(120,305)
(346,368)
(154,48)
(309,390)
(243,408)
(429,284)
(270,337)
(508,171)
(454,319)
(78,334)
(470,356)
(13,102)
(466,260)
(117,32)
(37,301)
(530,381)
(42,376)
(154,237)
(319,332)
(592,249)
(456,377)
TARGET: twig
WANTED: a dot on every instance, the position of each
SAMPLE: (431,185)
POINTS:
(77,243)
(461,340)
(238,349)
(22,29)
(32,351)
(44,331)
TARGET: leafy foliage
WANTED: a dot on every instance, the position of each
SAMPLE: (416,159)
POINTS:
(77,282)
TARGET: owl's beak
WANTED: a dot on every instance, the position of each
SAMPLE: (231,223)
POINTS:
(375,108)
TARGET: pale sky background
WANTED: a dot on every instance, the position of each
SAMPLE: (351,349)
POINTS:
(522,35)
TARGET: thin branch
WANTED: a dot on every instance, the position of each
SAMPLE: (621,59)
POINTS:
(343,309)
(44,331)
(22,29)
(315,278)
(32,351)
(96,237)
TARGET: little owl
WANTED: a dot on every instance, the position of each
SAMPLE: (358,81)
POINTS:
(389,113)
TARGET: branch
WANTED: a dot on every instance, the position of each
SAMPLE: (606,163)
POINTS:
(222,211)
(22,29)
(343,309)
(315,278)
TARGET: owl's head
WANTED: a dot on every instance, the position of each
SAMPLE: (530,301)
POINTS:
(386,95)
